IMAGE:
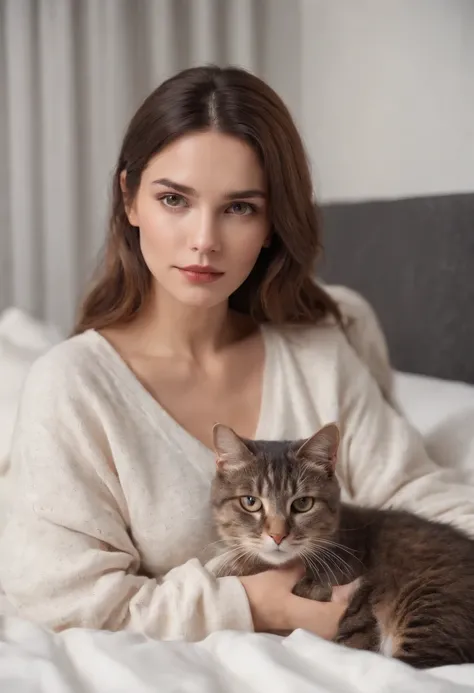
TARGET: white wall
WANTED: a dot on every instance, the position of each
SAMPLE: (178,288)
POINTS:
(387,96)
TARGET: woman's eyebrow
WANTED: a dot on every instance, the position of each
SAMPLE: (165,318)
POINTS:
(240,194)
(187,190)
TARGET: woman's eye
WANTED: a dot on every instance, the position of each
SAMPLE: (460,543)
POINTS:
(241,209)
(173,200)
(302,505)
(251,504)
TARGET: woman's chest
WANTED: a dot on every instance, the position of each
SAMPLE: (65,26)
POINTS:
(196,399)
(200,405)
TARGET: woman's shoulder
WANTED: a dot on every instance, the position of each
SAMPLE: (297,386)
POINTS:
(358,343)
(67,365)
(315,351)
(365,336)
(308,339)
(72,354)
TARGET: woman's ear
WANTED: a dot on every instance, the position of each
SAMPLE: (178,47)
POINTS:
(128,205)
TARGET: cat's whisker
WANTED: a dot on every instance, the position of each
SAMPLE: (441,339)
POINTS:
(333,544)
(251,554)
(329,551)
(323,557)
(344,567)
(340,547)
(231,555)
(308,560)
(224,542)
(232,566)
(339,563)
(231,549)
(311,558)
(231,559)
(329,556)
(228,566)
(325,569)
(246,556)
(328,566)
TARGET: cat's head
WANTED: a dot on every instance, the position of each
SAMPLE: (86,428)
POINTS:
(275,501)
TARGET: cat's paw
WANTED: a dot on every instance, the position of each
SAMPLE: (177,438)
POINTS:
(310,589)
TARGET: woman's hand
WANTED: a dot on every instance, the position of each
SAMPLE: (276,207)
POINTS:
(276,610)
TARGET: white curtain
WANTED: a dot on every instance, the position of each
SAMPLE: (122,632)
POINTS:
(72,72)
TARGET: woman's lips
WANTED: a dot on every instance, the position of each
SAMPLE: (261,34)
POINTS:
(198,274)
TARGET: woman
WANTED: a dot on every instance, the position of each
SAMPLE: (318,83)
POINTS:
(204,310)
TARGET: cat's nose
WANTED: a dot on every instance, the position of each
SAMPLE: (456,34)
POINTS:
(278,538)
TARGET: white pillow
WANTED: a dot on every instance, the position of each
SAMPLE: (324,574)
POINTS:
(22,329)
(443,411)
(22,341)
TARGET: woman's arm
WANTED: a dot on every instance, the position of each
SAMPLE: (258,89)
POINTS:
(384,462)
(67,556)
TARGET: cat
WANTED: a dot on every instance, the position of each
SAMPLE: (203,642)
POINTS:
(273,502)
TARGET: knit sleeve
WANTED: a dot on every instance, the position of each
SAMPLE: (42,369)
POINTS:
(68,557)
(383,459)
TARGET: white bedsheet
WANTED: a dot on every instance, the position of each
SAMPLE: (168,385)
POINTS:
(33,660)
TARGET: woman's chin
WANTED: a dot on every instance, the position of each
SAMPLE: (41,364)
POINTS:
(204,297)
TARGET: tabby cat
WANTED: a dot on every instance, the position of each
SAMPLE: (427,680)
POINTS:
(276,501)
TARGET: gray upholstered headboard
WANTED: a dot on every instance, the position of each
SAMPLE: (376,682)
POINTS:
(413,259)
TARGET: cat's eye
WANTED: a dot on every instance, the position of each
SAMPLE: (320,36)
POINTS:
(302,505)
(251,504)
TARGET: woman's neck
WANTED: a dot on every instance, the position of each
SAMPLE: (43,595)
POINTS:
(166,327)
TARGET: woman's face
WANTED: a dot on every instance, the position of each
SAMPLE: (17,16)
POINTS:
(202,215)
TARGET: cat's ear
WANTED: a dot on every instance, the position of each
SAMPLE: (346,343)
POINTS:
(230,449)
(322,447)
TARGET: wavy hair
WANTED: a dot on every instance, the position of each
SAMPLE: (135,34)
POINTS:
(281,287)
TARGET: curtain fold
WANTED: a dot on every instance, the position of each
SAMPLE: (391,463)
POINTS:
(72,72)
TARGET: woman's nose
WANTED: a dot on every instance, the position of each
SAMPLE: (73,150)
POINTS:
(205,234)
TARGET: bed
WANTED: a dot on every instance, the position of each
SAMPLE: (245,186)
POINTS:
(436,392)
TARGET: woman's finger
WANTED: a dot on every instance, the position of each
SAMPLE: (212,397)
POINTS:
(321,618)
(343,593)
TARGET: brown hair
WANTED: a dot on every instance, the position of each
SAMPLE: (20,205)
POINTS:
(280,288)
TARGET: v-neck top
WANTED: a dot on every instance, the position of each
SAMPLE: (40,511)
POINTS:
(158,413)
(111,525)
